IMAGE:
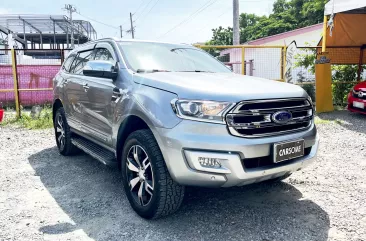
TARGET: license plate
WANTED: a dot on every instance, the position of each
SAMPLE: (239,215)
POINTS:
(288,150)
(359,104)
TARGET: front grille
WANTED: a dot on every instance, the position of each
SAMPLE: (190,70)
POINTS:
(359,94)
(256,118)
(267,161)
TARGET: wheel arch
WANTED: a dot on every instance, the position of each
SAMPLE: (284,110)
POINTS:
(130,124)
(56,105)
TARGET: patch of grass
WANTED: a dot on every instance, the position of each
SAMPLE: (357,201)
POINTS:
(44,120)
(319,121)
(338,107)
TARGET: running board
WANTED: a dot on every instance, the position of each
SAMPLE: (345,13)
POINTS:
(101,154)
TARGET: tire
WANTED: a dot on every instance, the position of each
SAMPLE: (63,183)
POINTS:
(63,134)
(160,194)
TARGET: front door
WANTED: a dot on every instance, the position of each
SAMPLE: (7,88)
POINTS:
(102,95)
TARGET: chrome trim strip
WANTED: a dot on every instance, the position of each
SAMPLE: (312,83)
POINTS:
(241,103)
(266,125)
(234,132)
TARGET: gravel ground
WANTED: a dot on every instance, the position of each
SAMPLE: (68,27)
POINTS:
(45,196)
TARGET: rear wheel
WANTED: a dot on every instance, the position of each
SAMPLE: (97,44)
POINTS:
(63,134)
(150,190)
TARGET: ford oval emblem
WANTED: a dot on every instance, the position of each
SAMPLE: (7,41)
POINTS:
(282,117)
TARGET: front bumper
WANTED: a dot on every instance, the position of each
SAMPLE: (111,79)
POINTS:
(350,106)
(214,140)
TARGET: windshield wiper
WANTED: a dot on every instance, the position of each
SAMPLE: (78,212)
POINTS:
(151,70)
(198,71)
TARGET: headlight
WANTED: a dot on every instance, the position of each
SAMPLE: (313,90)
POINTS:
(208,111)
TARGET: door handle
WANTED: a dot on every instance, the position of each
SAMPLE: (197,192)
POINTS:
(116,94)
(86,87)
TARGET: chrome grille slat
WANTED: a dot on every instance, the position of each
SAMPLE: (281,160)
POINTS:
(273,109)
(265,125)
(249,122)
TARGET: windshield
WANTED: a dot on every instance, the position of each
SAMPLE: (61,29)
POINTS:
(155,57)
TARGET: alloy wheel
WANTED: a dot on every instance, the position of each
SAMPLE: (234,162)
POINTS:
(60,132)
(140,175)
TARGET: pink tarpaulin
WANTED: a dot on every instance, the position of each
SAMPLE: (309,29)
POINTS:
(29,77)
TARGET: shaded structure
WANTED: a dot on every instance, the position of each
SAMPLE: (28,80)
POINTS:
(343,42)
(30,31)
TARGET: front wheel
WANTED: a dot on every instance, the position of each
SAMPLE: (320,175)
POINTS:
(150,190)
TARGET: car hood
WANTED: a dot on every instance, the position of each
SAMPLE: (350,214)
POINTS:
(218,86)
(360,86)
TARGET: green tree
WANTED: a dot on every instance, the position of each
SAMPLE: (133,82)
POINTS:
(221,36)
(313,12)
(286,16)
(344,74)
(280,6)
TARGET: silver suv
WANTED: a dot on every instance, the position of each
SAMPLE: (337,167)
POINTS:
(170,116)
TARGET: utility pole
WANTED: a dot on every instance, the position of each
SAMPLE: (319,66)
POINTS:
(132,30)
(236,33)
(71,9)
(120,29)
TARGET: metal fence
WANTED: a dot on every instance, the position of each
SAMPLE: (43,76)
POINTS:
(292,64)
(300,69)
(26,76)
(261,61)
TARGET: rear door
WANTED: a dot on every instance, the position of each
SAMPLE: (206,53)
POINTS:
(69,92)
(102,96)
(77,89)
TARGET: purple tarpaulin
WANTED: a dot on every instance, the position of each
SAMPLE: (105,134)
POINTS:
(29,77)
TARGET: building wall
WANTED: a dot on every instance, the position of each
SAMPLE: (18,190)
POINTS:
(267,61)
(261,62)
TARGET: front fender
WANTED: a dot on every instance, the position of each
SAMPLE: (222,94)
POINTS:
(150,104)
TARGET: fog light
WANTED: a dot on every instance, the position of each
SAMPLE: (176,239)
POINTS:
(210,162)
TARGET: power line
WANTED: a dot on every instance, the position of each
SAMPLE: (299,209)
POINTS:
(202,8)
(206,25)
(108,25)
(138,7)
(105,24)
(143,20)
(143,9)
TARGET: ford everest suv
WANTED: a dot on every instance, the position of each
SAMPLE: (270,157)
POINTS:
(170,116)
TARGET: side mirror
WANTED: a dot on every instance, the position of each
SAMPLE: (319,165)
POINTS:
(230,67)
(100,69)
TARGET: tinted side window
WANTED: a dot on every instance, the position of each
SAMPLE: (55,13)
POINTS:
(80,61)
(103,54)
(67,63)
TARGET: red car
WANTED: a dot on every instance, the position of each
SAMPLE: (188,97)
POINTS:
(357,98)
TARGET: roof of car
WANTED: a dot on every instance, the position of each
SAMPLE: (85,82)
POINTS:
(127,40)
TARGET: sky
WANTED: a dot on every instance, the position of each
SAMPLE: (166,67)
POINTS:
(177,21)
